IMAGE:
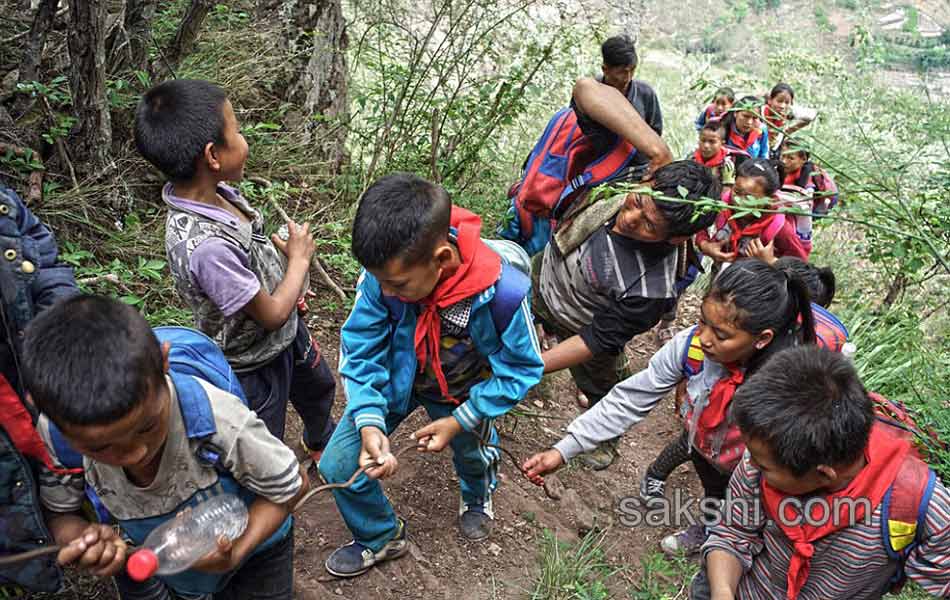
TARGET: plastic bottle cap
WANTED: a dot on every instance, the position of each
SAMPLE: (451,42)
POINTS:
(142,564)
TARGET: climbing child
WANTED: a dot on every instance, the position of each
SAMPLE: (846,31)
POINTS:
(761,179)
(155,438)
(440,320)
(876,513)
(242,287)
(712,153)
(723,100)
(781,116)
(750,312)
(806,181)
(747,135)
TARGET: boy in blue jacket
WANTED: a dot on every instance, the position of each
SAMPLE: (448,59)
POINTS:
(441,320)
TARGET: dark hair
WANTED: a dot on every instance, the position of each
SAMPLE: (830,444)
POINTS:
(401,215)
(90,360)
(746,103)
(782,87)
(763,297)
(795,146)
(619,51)
(771,171)
(820,280)
(174,122)
(717,126)
(808,406)
(682,218)
(727,92)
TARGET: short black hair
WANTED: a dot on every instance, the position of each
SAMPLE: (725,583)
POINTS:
(820,280)
(90,360)
(682,217)
(808,406)
(782,87)
(174,122)
(717,127)
(619,51)
(400,216)
(727,92)
(772,172)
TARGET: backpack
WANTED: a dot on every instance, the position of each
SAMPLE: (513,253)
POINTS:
(826,192)
(561,165)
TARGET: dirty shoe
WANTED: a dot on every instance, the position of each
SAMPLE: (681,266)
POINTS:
(602,456)
(687,542)
(652,490)
(355,559)
(476,520)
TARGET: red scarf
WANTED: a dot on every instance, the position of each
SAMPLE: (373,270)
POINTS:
(740,142)
(714,414)
(772,118)
(884,454)
(792,178)
(479,269)
(715,161)
(753,229)
(18,423)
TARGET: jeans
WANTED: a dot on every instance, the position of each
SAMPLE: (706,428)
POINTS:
(298,374)
(364,507)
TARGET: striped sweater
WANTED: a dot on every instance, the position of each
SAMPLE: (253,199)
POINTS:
(850,563)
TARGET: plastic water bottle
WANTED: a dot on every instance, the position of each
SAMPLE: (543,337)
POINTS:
(180,542)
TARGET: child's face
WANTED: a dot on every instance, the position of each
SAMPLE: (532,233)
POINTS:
(721,105)
(722,339)
(750,186)
(618,77)
(134,441)
(710,143)
(413,282)
(640,219)
(780,102)
(747,120)
(232,154)
(780,477)
(792,160)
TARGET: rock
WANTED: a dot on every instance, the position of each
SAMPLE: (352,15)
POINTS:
(338,591)
(8,84)
(584,516)
(538,403)
(494,549)
(553,487)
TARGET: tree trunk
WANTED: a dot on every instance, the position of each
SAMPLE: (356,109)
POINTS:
(138,24)
(188,29)
(36,42)
(87,79)
(895,290)
(316,75)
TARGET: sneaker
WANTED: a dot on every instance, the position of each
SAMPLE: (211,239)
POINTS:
(685,542)
(355,559)
(476,521)
(602,456)
(652,490)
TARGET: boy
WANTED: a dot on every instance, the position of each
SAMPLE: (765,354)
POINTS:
(812,436)
(427,328)
(610,274)
(32,280)
(113,399)
(712,153)
(609,105)
(242,292)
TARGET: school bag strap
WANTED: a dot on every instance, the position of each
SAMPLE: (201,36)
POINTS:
(830,332)
(691,363)
(904,512)
(194,353)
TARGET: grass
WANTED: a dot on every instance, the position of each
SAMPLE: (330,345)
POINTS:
(573,571)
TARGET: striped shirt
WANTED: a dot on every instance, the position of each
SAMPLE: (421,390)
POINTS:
(850,563)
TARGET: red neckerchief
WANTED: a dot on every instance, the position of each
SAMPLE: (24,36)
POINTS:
(479,269)
(772,118)
(715,161)
(714,413)
(18,423)
(753,229)
(884,455)
(743,143)
(792,178)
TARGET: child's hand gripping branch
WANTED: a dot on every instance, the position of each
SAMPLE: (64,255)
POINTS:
(376,451)
(435,436)
(272,310)
(716,250)
(94,548)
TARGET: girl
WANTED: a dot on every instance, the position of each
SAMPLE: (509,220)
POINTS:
(750,312)
(746,134)
(780,116)
(806,180)
(722,102)
(760,179)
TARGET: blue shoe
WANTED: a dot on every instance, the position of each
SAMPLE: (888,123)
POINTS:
(355,559)
(476,521)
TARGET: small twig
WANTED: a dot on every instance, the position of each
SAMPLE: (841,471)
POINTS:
(110,277)
(12,559)
(60,147)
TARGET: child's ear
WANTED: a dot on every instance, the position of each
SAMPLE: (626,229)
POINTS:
(166,350)
(764,339)
(211,157)
(443,253)
(827,473)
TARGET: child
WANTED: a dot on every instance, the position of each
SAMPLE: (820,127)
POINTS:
(746,134)
(610,273)
(242,291)
(759,179)
(712,153)
(144,431)
(815,445)
(750,311)
(804,180)
(780,116)
(723,100)
(440,320)
(820,280)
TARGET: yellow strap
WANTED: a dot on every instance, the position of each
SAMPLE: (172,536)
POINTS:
(902,534)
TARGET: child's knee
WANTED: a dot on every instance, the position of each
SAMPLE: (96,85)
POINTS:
(339,462)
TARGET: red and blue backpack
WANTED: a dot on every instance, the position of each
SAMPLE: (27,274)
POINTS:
(561,166)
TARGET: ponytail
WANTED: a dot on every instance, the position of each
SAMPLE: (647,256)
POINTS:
(820,281)
(827,277)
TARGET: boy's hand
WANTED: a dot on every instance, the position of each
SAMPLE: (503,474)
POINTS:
(716,250)
(99,550)
(375,451)
(541,464)
(220,560)
(763,252)
(299,244)
(435,436)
